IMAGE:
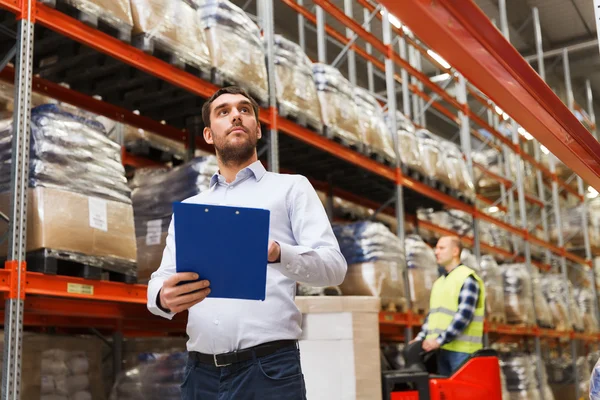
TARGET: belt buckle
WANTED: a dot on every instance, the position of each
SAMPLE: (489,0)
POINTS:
(217,363)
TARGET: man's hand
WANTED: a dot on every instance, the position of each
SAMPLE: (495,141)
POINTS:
(430,345)
(180,298)
(414,340)
(274,251)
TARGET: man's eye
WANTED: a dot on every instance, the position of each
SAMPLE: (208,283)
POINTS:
(222,112)
(244,109)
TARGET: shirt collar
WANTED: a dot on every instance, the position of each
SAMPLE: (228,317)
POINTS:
(256,169)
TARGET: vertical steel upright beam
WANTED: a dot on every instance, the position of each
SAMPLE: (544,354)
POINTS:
(465,141)
(391,103)
(590,106)
(412,60)
(13,313)
(301,28)
(369,48)
(422,107)
(403,49)
(348,5)
(503,19)
(568,87)
(536,146)
(321,41)
(269,35)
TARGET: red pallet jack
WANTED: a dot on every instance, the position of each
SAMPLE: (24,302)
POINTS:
(477,379)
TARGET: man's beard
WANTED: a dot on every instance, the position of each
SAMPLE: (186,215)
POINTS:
(233,155)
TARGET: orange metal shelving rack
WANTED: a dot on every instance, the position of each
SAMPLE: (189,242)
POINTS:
(456,33)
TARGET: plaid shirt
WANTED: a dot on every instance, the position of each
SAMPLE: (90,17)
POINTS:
(467,302)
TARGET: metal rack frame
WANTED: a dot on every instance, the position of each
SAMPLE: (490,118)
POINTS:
(445,27)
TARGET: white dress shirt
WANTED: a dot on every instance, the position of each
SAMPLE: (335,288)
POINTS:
(309,253)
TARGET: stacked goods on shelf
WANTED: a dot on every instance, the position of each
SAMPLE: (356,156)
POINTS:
(422,272)
(79,205)
(518,295)
(296,91)
(586,305)
(520,373)
(572,228)
(468,259)
(594,221)
(456,168)
(157,376)
(542,380)
(171,27)
(376,135)
(431,157)
(141,142)
(561,375)
(491,160)
(235,46)
(495,236)
(542,309)
(408,147)
(116,13)
(376,263)
(494,289)
(553,289)
(61,367)
(455,220)
(153,193)
(338,108)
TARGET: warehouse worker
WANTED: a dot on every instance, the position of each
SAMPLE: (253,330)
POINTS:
(455,321)
(241,349)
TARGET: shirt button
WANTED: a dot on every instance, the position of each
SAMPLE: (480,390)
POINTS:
(288,266)
(216,322)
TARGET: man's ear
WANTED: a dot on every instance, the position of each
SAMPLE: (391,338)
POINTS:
(208,136)
(258,131)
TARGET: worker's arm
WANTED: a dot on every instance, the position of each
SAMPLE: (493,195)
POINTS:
(467,302)
(316,259)
(423,334)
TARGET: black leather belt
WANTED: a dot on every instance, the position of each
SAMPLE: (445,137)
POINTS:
(225,359)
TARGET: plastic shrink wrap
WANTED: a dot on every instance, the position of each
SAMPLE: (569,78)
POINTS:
(586,305)
(553,289)
(542,309)
(572,228)
(116,13)
(520,375)
(422,272)
(296,91)
(158,376)
(338,108)
(153,193)
(376,263)
(408,147)
(517,294)
(453,162)
(235,46)
(377,136)
(494,289)
(431,156)
(171,26)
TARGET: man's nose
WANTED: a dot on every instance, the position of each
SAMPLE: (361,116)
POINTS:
(235,113)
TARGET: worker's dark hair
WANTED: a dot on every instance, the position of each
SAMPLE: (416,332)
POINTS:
(222,91)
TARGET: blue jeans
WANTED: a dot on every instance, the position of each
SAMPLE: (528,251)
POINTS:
(450,361)
(265,378)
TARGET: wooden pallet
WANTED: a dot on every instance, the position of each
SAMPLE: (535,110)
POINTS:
(497,319)
(300,118)
(54,262)
(331,133)
(157,48)
(99,22)
(378,156)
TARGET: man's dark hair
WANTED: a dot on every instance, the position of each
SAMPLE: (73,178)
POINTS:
(226,90)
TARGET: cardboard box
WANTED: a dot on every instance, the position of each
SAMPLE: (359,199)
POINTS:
(116,10)
(68,221)
(340,347)
(149,257)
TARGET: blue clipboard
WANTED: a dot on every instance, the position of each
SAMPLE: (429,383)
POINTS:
(226,245)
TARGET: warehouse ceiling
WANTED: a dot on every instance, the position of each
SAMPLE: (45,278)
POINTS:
(564,23)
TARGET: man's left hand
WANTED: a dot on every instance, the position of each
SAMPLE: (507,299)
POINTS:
(274,251)
(430,345)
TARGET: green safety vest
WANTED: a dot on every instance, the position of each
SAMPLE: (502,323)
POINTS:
(444,305)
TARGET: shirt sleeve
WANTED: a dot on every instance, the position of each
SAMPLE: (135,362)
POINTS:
(166,269)
(423,334)
(316,259)
(467,302)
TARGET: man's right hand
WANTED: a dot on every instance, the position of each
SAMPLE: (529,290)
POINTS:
(177,298)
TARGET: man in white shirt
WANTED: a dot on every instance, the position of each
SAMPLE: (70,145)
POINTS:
(241,349)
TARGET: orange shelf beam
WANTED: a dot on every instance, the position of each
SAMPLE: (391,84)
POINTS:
(462,34)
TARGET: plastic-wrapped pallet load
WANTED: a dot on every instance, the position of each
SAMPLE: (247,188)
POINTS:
(154,192)
(552,287)
(296,91)
(376,263)
(338,108)
(517,295)
(377,136)
(79,203)
(116,13)
(542,385)
(157,376)
(431,156)
(494,289)
(422,272)
(571,225)
(491,160)
(542,309)
(173,27)
(456,167)
(235,46)
(61,367)
(408,148)
(520,375)
(584,298)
